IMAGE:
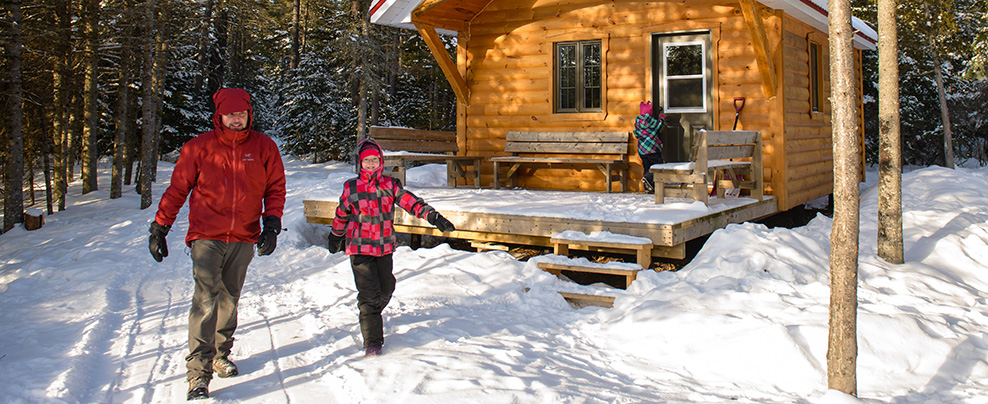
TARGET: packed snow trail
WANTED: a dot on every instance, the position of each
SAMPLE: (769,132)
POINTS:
(87,316)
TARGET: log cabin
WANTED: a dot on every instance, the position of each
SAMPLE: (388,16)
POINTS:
(585,65)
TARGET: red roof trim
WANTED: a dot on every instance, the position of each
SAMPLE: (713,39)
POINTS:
(377,6)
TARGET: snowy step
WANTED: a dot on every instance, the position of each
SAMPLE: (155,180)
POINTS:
(557,268)
(579,300)
(642,246)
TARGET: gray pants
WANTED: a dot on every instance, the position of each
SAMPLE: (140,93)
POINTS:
(219,269)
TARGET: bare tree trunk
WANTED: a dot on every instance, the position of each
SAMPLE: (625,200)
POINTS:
(842,349)
(75,126)
(90,152)
(148,106)
(160,64)
(889,137)
(296,19)
(948,143)
(60,104)
(121,118)
(360,11)
(204,49)
(132,143)
(13,211)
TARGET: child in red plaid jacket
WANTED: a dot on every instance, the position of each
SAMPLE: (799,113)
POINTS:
(364,223)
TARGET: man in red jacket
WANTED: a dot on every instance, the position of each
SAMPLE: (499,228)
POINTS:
(233,177)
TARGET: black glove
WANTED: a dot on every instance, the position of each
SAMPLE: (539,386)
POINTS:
(440,222)
(156,242)
(336,243)
(268,239)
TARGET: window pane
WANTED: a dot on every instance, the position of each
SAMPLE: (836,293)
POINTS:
(567,55)
(684,60)
(567,64)
(685,93)
(814,77)
(591,76)
(591,55)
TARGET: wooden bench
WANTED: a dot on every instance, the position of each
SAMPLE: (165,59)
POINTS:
(403,147)
(729,155)
(556,148)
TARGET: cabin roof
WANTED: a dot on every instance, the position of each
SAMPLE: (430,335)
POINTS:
(398,13)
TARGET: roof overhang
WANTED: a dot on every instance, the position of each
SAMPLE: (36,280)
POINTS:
(814,13)
(398,13)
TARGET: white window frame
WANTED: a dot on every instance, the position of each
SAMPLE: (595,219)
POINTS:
(702,75)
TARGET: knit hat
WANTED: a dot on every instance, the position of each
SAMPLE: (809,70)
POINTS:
(645,107)
(369,151)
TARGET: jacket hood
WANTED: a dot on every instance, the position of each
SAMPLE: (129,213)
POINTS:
(369,144)
(227,101)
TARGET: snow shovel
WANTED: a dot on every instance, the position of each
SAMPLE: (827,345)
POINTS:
(737,110)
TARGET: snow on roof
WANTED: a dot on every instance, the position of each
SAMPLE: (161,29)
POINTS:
(398,13)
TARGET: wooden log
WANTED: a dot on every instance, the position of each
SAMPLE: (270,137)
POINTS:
(34,219)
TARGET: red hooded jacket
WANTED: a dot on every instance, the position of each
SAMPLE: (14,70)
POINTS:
(229,174)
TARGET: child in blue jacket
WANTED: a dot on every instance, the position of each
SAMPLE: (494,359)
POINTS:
(647,131)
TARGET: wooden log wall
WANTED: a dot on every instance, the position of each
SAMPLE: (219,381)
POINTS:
(506,57)
(808,142)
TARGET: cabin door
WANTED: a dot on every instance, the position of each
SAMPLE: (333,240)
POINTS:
(682,70)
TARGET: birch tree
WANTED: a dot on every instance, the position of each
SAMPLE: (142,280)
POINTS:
(842,349)
(890,153)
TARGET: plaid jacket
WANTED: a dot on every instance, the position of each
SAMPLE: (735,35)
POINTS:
(647,130)
(366,213)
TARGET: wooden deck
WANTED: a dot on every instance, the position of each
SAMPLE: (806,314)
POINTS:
(492,216)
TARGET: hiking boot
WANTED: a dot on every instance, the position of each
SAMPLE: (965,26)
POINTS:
(225,368)
(373,351)
(198,389)
(647,186)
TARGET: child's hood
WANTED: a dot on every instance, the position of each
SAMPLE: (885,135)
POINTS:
(368,144)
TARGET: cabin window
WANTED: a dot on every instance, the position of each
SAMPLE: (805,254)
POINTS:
(578,76)
(683,67)
(816,79)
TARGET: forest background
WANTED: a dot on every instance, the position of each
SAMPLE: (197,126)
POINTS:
(128,81)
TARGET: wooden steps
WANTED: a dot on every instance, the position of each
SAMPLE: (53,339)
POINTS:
(643,249)
(557,269)
(580,300)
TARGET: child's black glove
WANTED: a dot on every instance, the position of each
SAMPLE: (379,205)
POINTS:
(268,239)
(156,242)
(336,243)
(440,222)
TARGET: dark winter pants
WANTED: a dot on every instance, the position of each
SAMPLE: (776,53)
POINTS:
(647,161)
(219,269)
(375,284)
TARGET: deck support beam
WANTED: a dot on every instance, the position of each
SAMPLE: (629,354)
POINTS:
(446,62)
(759,41)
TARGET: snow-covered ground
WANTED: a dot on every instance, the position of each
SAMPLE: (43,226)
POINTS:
(86,316)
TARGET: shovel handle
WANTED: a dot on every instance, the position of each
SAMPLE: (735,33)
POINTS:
(737,108)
